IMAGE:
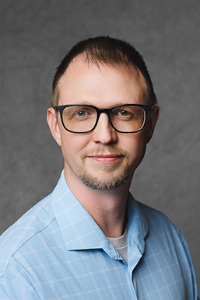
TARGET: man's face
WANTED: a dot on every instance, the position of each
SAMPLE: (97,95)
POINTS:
(103,158)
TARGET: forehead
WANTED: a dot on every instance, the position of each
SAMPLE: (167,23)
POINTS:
(83,81)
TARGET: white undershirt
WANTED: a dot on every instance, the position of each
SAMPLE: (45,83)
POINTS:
(120,244)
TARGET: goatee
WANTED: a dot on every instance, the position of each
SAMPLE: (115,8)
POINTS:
(110,184)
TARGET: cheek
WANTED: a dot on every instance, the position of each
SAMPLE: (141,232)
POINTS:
(135,147)
(72,145)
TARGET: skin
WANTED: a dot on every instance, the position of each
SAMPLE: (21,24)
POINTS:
(102,153)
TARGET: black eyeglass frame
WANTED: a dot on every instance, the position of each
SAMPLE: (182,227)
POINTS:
(107,111)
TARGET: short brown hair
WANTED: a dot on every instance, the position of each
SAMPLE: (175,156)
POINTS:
(109,51)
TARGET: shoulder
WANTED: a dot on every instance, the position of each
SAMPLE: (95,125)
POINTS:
(165,252)
(29,230)
(154,227)
(148,216)
(160,227)
(156,218)
(162,231)
(28,226)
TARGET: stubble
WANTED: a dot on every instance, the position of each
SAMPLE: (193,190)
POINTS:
(114,182)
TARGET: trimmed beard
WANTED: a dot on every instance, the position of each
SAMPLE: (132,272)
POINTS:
(115,182)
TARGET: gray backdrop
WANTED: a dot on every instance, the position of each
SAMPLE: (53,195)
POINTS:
(35,35)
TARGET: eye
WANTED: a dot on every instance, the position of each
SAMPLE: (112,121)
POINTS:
(124,113)
(81,113)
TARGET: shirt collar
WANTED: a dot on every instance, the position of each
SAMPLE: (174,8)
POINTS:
(137,224)
(80,231)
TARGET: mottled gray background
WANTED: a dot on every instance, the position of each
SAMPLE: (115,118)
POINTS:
(35,35)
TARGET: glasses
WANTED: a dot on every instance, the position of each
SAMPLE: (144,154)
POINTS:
(79,118)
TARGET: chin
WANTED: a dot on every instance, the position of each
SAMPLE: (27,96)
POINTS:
(107,182)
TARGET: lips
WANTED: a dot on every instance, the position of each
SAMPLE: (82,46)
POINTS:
(106,158)
(107,154)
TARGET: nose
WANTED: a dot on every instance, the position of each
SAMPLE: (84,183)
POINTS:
(104,133)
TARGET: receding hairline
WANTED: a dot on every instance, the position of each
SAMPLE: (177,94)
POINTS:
(85,58)
(108,51)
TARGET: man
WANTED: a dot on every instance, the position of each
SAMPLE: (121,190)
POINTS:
(90,239)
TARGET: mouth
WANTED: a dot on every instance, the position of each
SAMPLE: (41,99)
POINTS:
(109,158)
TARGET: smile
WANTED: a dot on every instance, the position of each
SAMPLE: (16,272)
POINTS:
(106,158)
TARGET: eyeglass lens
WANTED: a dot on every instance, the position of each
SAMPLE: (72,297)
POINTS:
(83,118)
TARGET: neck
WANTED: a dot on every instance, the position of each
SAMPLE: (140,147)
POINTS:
(106,207)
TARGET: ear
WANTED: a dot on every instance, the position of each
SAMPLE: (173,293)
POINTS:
(52,120)
(153,116)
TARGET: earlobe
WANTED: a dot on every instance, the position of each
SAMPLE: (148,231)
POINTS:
(52,121)
(153,118)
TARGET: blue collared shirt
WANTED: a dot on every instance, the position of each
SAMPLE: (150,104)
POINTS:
(57,251)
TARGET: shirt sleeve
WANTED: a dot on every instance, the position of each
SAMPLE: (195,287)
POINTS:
(185,245)
(12,291)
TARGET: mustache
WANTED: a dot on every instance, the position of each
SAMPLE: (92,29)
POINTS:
(105,150)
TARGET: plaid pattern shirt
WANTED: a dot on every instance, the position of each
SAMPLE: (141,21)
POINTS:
(57,251)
